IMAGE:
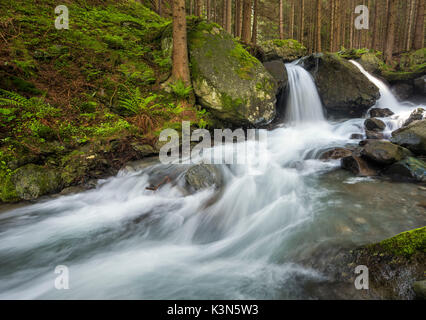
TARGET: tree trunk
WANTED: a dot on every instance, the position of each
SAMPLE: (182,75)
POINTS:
(180,68)
(238,8)
(291,20)
(419,33)
(337,20)
(318,27)
(254,31)
(199,7)
(246,32)
(390,35)
(375,25)
(281,22)
(332,26)
(302,21)
(208,9)
(229,16)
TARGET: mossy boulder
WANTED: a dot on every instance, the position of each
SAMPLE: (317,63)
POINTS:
(286,50)
(227,80)
(384,152)
(344,90)
(203,176)
(412,137)
(29,182)
(371,62)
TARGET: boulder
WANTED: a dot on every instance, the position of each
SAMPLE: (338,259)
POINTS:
(344,90)
(277,69)
(335,154)
(203,176)
(30,182)
(380,113)
(419,288)
(370,62)
(374,135)
(286,50)
(384,152)
(416,115)
(420,85)
(408,169)
(403,91)
(374,124)
(412,137)
(232,84)
(358,166)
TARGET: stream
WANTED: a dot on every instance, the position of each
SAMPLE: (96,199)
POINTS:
(245,241)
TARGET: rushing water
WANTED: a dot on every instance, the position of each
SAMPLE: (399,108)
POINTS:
(243,241)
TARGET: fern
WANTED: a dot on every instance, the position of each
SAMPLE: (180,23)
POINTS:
(180,90)
(13,99)
(137,104)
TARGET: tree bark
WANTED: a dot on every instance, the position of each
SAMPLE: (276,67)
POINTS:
(302,21)
(229,16)
(180,68)
(318,27)
(246,32)
(254,31)
(390,35)
(292,20)
(281,22)
(419,34)
(199,8)
(332,26)
(238,8)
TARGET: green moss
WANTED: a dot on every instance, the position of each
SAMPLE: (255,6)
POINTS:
(247,62)
(404,244)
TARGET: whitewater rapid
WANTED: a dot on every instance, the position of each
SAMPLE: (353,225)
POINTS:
(121,241)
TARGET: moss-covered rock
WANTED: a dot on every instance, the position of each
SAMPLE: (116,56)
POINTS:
(412,137)
(30,182)
(384,152)
(287,50)
(344,90)
(227,80)
(371,62)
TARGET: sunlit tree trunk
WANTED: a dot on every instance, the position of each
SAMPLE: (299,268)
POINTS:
(419,33)
(180,67)
(246,32)
(390,35)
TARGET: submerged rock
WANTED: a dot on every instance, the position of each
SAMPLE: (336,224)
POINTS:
(384,152)
(412,137)
(374,124)
(380,113)
(227,80)
(344,90)
(203,176)
(416,115)
(286,50)
(408,169)
(358,166)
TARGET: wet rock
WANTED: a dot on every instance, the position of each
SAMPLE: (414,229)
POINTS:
(412,137)
(384,152)
(203,176)
(358,166)
(335,154)
(356,136)
(408,169)
(285,50)
(144,150)
(370,62)
(419,288)
(374,124)
(277,69)
(403,91)
(420,85)
(344,90)
(416,115)
(374,135)
(380,113)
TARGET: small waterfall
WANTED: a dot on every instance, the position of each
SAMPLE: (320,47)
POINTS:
(304,103)
(387,99)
